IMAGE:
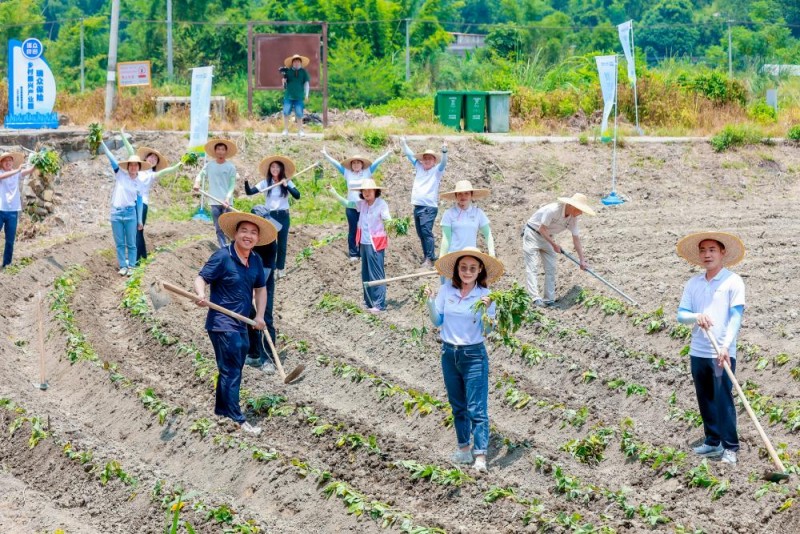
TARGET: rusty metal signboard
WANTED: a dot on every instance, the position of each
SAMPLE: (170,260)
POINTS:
(272,48)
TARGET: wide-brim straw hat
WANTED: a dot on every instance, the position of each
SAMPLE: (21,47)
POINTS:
(145,151)
(429,152)
(232,148)
(289,60)
(366,183)
(465,186)
(358,157)
(579,201)
(688,247)
(266,230)
(288,165)
(17,157)
(143,165)
(494,267)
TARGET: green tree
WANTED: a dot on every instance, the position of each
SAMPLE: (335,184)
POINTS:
(667,29)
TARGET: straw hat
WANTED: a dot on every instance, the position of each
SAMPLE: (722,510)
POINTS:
(688,247)
(289,60)
(357,157)
(143,165)
(427,153)
(494,267)
(465,186)
(232,149)
(579,201)
(145,151)
(18,158)
(366,183)
(288,165)
(230,220)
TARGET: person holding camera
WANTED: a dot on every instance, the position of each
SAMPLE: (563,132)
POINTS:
(296,84)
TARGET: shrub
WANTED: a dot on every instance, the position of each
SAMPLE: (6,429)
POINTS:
(762,112)
(794,133)
(413,110)
(735,135)
(715,86)
(375,138)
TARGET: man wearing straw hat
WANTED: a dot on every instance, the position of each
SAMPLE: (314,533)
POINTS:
(234,274)
(296,84)
(11,171)
(714,301)
(221,180)
(538,243)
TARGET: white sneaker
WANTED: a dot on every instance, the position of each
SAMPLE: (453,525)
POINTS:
(427,264)
(123,271)
(250,429)
(480,464)
(301,133)
(708,451)
(728,457)
(280,273)
(285,132)
(354,259)
(268,368)
(462,457)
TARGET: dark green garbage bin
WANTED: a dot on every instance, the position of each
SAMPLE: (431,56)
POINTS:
(499,104)
(449,107)
(475,111)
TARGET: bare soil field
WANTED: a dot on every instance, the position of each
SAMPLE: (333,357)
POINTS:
(125,439)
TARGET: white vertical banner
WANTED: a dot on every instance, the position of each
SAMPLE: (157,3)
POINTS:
(200,107)
(625,30)
(607,70)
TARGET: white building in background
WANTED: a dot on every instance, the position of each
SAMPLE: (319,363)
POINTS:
(463,42)
(775,70)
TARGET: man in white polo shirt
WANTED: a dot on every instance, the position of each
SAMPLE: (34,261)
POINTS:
(538,243)
(714,301)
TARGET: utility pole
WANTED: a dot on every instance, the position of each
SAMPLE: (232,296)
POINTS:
(83,62)
(730,51)
(169,40)
(111,73)
(408,52)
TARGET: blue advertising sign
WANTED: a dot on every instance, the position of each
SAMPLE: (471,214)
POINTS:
(31,87)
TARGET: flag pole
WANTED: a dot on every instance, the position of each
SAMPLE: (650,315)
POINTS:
(635,90)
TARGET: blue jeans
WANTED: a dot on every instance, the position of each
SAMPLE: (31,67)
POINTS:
(424,217)
(466,378)
(715,399)
(8,221)
(282,216)
(372,269)
(297,105)
(123,225)
(231,350)
(216,211)
(141,246)
(256,348)
(352,227)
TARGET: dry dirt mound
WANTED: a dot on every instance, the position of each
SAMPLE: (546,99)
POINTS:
(592,413)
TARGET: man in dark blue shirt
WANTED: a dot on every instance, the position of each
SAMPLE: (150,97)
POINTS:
(235,274)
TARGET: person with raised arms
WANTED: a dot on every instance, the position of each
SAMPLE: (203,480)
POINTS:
(12,170)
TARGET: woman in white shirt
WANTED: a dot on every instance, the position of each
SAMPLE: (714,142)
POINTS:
(462,222)
(276,186)
(11,171)
(465,363)
(372,240)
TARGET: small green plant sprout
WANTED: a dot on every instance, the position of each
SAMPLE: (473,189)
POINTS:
(399,226)
(202,426)
(113,469)
(588,376)
(701,476)
(635,389)
(570,486)
(782,359)
(222,514)
(435,474)
(590,449)
(265,404)
(94,138)
(576,418)
(156,405)
(261,455)
(47,162)
(514,397)
(496,493)
(615,383)
(652,514)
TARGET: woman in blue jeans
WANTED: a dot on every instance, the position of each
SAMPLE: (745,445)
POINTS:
(12,170)
(465,363)
(276,186)
(126,207)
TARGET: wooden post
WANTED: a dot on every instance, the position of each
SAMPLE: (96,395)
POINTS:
(325,74)
(250,68)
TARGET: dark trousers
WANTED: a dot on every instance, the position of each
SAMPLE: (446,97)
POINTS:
(231,350)
(141,246)
(282,216)
(372,269)
(8,222)
(715,399)
(256,348)
(424,217)
(352,227)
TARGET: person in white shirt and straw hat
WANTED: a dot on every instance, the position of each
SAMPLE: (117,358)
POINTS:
(539,246)
(222,176)
(296,84)
(12,169)
(355,169)
(465,362)
(461,223)
(714,301)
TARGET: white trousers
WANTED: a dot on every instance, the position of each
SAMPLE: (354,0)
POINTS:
(536,252)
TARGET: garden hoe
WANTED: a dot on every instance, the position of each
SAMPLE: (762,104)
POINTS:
(191,296)
(385,281)
(772,476)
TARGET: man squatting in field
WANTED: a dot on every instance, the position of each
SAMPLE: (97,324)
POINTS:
(714,301)
(234,273)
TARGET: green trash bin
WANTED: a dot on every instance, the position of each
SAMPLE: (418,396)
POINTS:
(499,104)
(449,107)
(475,111)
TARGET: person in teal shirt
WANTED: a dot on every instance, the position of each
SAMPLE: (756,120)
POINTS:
(296,84)
(221,175)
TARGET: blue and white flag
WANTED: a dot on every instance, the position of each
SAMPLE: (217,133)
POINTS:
(607,70)
(625,32)
(200,107)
